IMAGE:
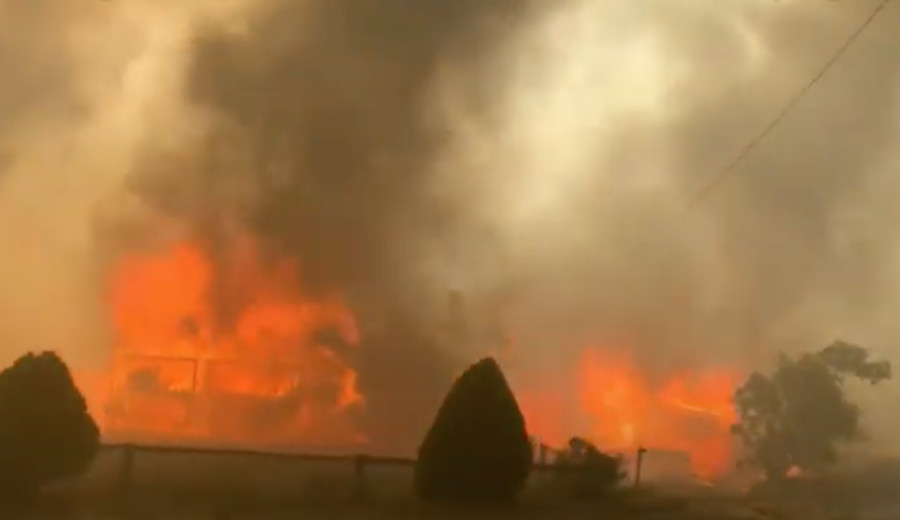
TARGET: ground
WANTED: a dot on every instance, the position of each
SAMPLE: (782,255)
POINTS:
(195,487)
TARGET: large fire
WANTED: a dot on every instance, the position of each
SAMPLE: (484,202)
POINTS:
(228,351)
(622,409)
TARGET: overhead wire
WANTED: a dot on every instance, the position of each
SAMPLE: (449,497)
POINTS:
(710,186)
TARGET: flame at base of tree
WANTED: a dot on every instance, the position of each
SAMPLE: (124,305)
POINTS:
(224,351)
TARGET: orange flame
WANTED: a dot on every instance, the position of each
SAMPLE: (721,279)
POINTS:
(260,368)
(256,370)
(622,409)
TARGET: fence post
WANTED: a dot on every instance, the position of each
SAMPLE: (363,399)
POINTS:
(542,460)
(639,462)
(359,478)
(126,477)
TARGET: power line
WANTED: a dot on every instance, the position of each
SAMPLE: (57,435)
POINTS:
(714,183)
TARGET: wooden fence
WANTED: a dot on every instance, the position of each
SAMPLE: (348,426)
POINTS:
(360,463)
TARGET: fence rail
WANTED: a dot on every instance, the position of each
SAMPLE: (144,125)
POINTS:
(360,462)
(238,452)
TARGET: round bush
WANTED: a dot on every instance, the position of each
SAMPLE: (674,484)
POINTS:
(46,432)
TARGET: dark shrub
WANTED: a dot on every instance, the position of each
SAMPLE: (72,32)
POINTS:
(46,432)
(477,449)
(586,472)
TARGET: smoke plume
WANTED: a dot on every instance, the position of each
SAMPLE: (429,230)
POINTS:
(536,159)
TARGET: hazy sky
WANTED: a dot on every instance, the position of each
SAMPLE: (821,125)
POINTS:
(535,155)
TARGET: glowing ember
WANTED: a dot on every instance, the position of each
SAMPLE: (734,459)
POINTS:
(224,352)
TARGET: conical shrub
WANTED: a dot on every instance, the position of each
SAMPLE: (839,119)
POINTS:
(477,449)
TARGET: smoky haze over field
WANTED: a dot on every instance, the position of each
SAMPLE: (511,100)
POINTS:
(536,158)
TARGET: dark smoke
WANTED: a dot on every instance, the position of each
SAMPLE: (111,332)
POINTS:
(326,103)
(325,145)
(388,145)
(324,148)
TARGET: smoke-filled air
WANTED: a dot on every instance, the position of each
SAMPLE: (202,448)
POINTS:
(293,222)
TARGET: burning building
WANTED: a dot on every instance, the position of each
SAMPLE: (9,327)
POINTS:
(682,417)
(225,346)
(236,355)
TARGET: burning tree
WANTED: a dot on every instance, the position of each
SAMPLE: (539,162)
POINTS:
(46,432)
(477,449)
(797,416)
